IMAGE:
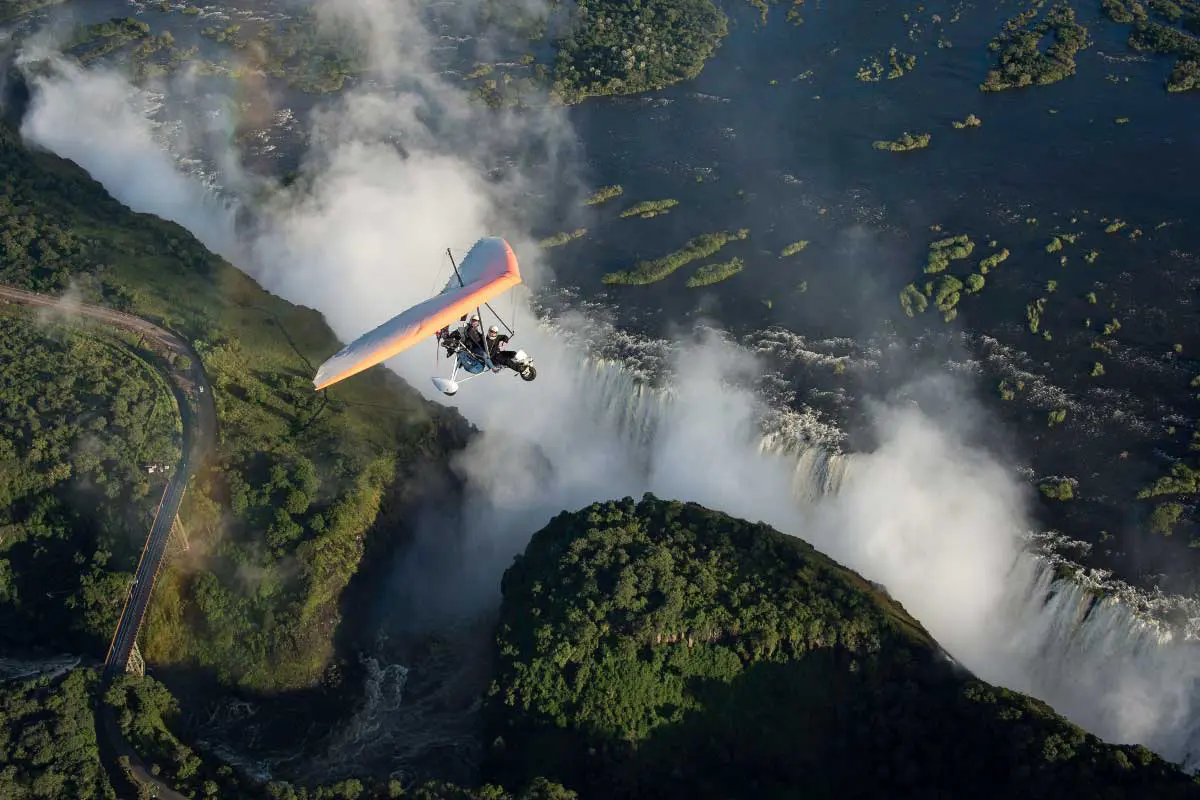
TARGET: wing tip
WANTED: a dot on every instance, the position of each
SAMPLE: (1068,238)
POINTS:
(324,377)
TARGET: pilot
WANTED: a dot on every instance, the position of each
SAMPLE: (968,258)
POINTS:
(496,340)
(472,335)
(450,339)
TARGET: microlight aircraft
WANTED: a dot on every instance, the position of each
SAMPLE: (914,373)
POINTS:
(487,271)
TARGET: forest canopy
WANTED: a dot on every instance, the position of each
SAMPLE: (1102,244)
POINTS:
(625,48)
(83,422)
(636,637)
(300,478)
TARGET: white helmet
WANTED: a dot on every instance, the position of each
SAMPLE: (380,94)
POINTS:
(474,320)
(493,331)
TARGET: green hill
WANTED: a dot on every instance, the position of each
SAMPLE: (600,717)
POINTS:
(277,525)
(659,649)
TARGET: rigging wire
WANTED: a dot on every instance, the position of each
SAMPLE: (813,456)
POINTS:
(512,311)
(478,309)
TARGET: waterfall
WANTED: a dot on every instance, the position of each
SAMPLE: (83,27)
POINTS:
(1093,659)
(1086,652)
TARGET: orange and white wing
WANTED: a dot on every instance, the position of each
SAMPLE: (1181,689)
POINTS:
(489,269)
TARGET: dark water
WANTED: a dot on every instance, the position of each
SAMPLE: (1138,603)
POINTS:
(1053,153)
(1022,157)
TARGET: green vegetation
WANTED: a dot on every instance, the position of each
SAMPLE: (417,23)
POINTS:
(971,121)
(793,15)
(1182,480)
(560,239)
(993,261)
(763,9)
(48,745)
(510,91)
(649,208)
(1007,392)
(1022,61)
(943,251)
(1058,490)
(49,749)
(623,48)
(1123,12)
(92,42)
(299,481)
(315,55)
(83,417)
(1182,485)
(11,9)
(906,142)
(1185,76)
(226,34)
(635,637)
(1097,370)
(870,71)
(702,246)
(309,54)
(947,290)
(709,274)
(604,194)
(480,71)
(1167,27)
(793,248)
(289,464)
(1056,417)
(911,299)
(900,63)
(1165,517)
(142,707)
(1033,314)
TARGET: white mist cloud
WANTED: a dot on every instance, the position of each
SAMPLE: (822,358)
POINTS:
(936,522)
(89,117)
(370,239)
(395,175)
(65,306)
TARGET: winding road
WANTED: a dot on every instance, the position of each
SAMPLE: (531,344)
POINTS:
(198,418)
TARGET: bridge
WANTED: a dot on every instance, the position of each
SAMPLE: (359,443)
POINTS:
(198,418)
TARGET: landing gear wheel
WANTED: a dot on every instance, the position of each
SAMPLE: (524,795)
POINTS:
(528,374)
